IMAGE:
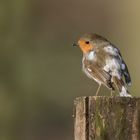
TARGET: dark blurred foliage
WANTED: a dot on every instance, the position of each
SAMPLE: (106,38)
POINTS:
(40,72)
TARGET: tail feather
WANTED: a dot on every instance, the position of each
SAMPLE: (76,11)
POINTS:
(121,87)
(126,74)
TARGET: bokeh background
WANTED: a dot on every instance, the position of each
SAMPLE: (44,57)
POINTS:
(40,70)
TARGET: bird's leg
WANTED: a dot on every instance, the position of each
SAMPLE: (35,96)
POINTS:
(111,92)
(98,90)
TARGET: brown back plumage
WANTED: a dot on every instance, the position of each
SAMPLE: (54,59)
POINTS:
(93,37)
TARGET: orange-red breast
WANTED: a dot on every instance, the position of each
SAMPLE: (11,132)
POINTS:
(103,62)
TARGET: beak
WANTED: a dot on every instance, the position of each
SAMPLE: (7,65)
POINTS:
(75,44)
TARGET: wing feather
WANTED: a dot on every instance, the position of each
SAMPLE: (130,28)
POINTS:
(97,73)
(115,53)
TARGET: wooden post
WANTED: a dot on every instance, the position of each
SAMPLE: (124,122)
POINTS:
(107,118)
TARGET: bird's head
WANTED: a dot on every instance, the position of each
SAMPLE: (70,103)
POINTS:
(85,43)
(88,42)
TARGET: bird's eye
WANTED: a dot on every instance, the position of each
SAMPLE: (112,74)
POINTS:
(87,42)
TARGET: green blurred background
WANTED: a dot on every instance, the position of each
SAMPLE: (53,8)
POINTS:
(40,71)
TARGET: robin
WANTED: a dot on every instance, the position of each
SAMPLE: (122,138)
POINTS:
(103,62)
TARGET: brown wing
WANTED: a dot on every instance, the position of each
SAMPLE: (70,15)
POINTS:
(99,74)
(102,76)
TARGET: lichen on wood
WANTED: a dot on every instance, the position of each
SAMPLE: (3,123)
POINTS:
(107,118)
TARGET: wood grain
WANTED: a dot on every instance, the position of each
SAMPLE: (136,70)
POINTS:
(107,118)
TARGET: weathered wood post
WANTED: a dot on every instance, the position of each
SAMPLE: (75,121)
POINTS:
(107,118)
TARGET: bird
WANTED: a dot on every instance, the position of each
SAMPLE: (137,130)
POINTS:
(103,62)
